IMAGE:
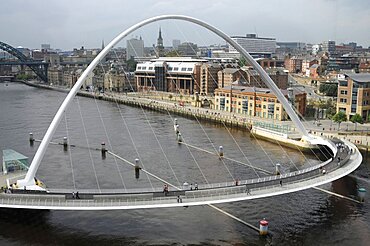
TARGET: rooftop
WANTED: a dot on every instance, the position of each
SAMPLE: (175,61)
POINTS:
(10,155)
(359,77)
(242,88)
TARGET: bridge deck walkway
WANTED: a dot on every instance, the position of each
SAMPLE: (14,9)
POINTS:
(244,191)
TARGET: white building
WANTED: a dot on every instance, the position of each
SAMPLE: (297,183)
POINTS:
(256,46)
(135,48)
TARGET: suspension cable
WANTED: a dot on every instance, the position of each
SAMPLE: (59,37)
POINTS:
(87,142)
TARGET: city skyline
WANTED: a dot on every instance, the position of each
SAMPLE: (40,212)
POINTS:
(67,25)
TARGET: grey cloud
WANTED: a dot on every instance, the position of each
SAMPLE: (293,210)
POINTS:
(67,24)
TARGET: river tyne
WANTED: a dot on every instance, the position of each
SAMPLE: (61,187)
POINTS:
(308,217)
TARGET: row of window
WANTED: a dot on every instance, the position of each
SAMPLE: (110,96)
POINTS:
(245,104)
(183,69)
(272,100)
(269,115)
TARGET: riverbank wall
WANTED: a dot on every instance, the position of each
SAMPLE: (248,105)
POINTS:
(192,113)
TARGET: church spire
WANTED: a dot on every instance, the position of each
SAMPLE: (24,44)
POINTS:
(102,44)
(160,47)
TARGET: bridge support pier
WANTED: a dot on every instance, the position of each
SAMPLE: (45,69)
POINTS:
(32,140)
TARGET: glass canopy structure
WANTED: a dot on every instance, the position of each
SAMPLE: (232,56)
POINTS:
(14,161)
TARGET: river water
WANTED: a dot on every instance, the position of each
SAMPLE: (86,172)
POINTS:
(309,217)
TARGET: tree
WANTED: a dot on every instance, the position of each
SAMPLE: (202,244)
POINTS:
(329,89)
(173,53)
(24,76)
(339,118)
(242,61)
(170,96)
(330,108)
(131,65)
(356,119)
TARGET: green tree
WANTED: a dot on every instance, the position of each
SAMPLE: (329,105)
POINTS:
(339,118)
(131,65)
(356,119)
(330,108)
(170,96)
(242,61)
(329,89)
(173,53)
(24,76)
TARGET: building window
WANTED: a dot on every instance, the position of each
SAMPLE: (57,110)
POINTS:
(183,69)
(343,100)
(190,69)
(175,69)
(343,92)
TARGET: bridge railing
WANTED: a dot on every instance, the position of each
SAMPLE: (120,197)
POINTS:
(205,192)
(190,196)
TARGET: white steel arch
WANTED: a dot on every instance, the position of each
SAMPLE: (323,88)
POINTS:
(29,179)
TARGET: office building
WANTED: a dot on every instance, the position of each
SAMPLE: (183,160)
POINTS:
(176,43)
(354,94)
(257,102)
(135,48)
(255,46)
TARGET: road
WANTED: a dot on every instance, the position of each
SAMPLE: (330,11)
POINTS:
(310,90)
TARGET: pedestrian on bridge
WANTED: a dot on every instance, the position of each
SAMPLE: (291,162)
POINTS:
(247,190)
(165,189)
(179,199)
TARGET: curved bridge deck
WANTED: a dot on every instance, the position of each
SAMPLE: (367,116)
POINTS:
(206,194)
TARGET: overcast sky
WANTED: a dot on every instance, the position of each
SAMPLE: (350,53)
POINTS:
(74,23)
